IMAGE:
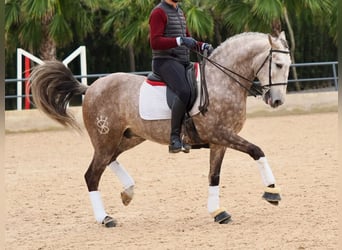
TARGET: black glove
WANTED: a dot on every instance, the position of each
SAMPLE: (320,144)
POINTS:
(208,47)
(188,42)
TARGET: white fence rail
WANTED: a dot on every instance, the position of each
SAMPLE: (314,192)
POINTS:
(333,77)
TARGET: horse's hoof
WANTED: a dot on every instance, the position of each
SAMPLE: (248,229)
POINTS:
(272,195)
(275,203)
(127,195)
(109,222)
(223,218)
(186,148)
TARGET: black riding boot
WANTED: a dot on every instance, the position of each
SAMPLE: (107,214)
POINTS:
(177,115)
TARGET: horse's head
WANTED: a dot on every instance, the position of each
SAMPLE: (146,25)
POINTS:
(272,70)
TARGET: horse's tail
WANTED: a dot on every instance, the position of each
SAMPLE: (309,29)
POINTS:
(53,85)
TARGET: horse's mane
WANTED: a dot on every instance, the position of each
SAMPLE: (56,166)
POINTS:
(245,34)
(238,46)
(230,42)
(243,38)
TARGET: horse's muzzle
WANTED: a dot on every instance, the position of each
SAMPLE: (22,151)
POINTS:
(273,102)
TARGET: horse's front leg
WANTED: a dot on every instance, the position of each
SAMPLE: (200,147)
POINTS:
(272,193)
(218,213)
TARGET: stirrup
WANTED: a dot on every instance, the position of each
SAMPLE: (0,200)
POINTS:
(177,146)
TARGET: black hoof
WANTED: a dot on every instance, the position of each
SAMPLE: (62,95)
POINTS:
(109,222)
(275,203)
(223,218)
(272,198)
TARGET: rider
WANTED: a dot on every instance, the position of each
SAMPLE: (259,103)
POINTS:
(171,43)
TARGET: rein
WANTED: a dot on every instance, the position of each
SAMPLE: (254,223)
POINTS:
(255,89)
(204,96)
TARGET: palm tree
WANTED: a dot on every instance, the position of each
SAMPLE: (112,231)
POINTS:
(200,21)
(264,15)
(128,21)
(40,26)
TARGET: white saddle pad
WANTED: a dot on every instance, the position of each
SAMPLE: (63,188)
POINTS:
(153,103)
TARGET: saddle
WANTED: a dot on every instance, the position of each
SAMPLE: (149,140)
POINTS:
(190,130)
(191,78)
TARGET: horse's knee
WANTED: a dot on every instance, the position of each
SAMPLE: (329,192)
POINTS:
(255,152)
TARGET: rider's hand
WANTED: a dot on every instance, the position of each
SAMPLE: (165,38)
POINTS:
(188,42)
(208,47)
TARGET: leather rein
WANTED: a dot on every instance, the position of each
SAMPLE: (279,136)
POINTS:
(255,89)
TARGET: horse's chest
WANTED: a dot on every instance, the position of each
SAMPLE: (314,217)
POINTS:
(222,119)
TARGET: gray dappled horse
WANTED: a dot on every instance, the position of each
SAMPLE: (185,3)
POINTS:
(111,113)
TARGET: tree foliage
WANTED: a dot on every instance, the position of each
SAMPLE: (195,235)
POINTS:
(121,27)
(32,24)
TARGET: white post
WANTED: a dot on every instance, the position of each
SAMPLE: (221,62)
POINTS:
(83,65)
(81,51)
(19,76)
(20,54)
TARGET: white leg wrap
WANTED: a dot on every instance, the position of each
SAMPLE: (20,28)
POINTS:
(96,202)
(213,199)
(126,180)
(265,171)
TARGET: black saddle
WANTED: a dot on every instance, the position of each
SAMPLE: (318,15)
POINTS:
(191,78)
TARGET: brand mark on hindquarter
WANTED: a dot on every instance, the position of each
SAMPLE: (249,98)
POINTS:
(102,124)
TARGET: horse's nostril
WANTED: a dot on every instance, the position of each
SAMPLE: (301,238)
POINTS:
(277,103)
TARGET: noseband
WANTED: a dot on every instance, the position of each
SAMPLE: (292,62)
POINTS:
(269,58)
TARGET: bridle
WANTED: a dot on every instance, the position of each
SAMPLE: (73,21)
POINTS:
(255,89)
(269,58)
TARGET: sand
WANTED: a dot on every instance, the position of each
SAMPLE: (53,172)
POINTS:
(48,205)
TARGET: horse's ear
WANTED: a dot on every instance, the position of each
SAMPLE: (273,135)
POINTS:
(270,39)
(282,36)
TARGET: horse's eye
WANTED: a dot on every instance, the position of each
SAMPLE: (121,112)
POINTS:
(279,66)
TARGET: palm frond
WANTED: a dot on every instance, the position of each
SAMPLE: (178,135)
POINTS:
(59,30)
(200,22)
(37,9)
(267,10)
(12,13)
(30,34)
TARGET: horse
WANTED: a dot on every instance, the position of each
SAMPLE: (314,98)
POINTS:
(110,111)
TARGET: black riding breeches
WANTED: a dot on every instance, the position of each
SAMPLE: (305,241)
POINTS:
(173,74)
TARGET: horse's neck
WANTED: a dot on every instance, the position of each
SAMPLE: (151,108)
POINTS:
(238,56)
(241,52)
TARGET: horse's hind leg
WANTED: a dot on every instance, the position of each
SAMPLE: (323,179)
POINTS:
(122,174)
(92,177)
(126,180)
(96,169)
